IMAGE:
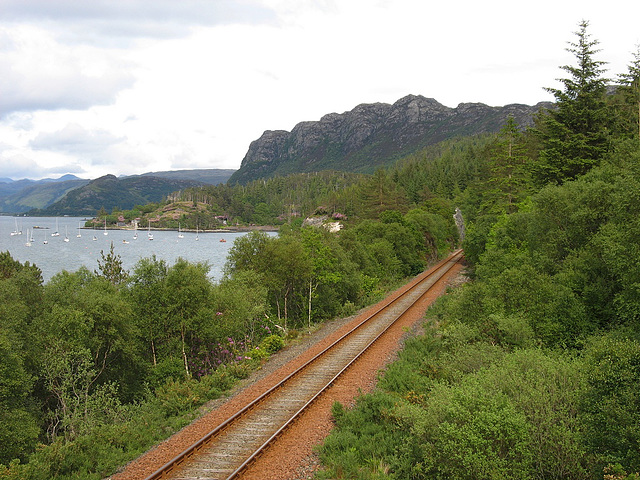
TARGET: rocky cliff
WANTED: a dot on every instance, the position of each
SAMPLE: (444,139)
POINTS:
(371,136)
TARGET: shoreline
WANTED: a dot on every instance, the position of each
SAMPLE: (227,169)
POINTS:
(262,228)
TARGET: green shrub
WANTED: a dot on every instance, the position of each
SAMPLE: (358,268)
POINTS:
(272,343)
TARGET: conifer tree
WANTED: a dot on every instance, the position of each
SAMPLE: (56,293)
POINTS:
(630,92)
(507,162)
(573,134)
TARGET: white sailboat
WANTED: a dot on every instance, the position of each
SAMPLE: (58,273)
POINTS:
(197,237)
(79,234)
(56,233)
(66,235)
(105,227)
(28,242)
(180,235)
(149,236)
(135,227)
(16,231)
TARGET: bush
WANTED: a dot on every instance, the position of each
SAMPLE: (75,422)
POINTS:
(272,343)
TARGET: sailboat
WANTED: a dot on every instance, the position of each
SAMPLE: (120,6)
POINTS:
(28,243)
(16,231)
(197,238)
(149,236)
(105,227)
(135,227)
(56,233)
(180,235)
(45,241)
(66,235)
(79,234)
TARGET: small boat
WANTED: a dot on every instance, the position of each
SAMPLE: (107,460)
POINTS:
(28,243)
(125,241)
(180,234)
(149,236)
(16,231)
(223,240)
(197,237)
(66,235)
(105,227)
(135,235)
(56,233)
(79,234)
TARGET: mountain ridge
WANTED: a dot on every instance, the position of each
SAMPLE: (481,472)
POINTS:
(109,192)
(25,195)
(371,136)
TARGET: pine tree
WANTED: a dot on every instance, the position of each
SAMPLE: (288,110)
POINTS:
(630,93)
(574,134)
(507,161)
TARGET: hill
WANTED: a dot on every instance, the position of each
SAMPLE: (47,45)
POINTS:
(371,136)
(23,195)
(110,192)
(210,176)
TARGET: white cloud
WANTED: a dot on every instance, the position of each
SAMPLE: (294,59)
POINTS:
(75,139)
(116,22)
(128,86)
(40,74)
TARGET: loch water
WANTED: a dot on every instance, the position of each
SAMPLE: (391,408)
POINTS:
(84,246)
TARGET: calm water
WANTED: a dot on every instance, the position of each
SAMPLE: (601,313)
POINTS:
(59,255)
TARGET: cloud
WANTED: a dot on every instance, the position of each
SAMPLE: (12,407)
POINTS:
(102,20)
(40,74)
(20,166)
(75,140)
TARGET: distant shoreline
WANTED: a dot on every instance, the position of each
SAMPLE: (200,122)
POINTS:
(251,228)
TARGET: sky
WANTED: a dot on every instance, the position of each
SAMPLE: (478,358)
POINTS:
(123,87)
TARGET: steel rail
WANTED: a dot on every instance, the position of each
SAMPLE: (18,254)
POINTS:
(295,416)
(189,452)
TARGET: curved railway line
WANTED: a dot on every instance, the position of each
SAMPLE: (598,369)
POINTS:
(227,450)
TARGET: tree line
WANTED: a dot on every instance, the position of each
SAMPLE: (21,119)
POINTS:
(116,359)
(530,370)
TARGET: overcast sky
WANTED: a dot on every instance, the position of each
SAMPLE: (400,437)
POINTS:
(131,86)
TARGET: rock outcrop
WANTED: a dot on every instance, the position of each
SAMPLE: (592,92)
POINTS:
(371,136)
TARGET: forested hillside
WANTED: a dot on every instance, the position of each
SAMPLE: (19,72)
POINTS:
(528,371)
(113,192)
(531,369)
(24,195)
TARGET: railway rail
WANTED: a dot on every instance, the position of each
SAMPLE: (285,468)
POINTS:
(226,451)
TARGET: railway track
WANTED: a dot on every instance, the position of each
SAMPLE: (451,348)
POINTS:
(232,446)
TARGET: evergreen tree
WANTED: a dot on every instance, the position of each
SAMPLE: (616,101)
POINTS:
(110,267)
(574,133)
(630,93)
(507,162)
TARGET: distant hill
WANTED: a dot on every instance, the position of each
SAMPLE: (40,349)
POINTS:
(210,176)
(371,136)
(110,192)
(23,195)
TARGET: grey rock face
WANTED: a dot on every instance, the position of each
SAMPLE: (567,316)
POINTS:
(371,136)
